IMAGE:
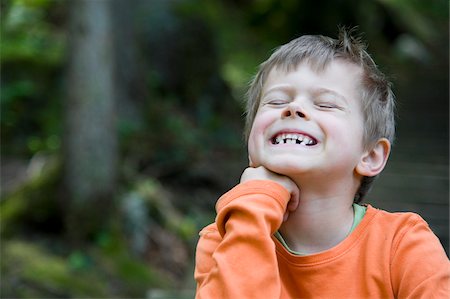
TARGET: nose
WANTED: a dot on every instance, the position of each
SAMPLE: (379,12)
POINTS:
(294,110)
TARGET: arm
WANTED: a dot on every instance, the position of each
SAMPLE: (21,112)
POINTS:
(236,256)
(419,265)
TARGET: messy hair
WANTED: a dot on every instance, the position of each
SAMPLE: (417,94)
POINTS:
(377,98)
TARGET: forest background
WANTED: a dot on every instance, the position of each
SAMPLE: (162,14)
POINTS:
(121,125)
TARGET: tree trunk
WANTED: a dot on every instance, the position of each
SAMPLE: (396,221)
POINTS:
(90,149)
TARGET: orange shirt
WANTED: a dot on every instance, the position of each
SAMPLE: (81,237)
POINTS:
(388,255)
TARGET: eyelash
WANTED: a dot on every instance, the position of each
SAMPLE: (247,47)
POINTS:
(320,105)
(276,102)
(328,106)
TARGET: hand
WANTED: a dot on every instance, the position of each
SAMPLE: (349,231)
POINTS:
(262,173)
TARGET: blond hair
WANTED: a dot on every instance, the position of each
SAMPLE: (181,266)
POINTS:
(318,51)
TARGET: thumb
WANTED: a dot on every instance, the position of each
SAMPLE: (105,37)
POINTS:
(294,201)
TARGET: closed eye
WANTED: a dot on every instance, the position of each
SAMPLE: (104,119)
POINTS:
(277,102)
(328,106)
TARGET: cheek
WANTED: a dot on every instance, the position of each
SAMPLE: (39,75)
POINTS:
(357,135)
(348,137)
(257,136)
(261,122)
(350,129)
(253,145)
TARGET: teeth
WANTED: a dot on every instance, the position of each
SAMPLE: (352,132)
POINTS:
(292,138)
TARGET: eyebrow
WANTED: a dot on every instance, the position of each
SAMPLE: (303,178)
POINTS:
(317,91)
(279,87)
(322,90)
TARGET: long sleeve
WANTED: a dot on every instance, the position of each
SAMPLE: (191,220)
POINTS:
(236,256)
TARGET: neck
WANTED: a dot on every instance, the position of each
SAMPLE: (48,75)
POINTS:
(322,220)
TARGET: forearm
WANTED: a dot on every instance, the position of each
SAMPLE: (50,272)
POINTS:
(244,263)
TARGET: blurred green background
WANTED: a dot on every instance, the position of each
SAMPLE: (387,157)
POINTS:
(121,125)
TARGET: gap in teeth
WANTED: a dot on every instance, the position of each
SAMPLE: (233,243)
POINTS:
(288,138)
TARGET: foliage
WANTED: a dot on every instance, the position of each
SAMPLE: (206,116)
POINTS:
(184,84)
(46,267)
(30,271)
(34,204)
(32,52)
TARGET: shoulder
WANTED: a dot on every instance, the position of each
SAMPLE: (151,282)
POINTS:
(398,221)
(418,264)
(404,231)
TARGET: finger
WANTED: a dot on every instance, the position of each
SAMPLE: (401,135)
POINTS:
(252,163)
(292,206)
(293,203)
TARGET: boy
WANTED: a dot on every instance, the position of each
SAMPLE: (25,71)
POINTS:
(320,124)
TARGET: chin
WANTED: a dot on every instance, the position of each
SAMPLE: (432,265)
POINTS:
(287,169)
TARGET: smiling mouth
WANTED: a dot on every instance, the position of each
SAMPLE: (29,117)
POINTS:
(293,138)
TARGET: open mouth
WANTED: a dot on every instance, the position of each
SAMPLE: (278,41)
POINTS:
(293,138)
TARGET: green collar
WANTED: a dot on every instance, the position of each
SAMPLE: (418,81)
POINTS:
(359,212)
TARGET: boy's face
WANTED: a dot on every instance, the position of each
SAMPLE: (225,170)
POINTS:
(309,122)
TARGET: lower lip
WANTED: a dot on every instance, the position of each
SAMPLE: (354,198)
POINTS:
(292,145)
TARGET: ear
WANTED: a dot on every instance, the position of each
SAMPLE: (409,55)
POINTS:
(374,160)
